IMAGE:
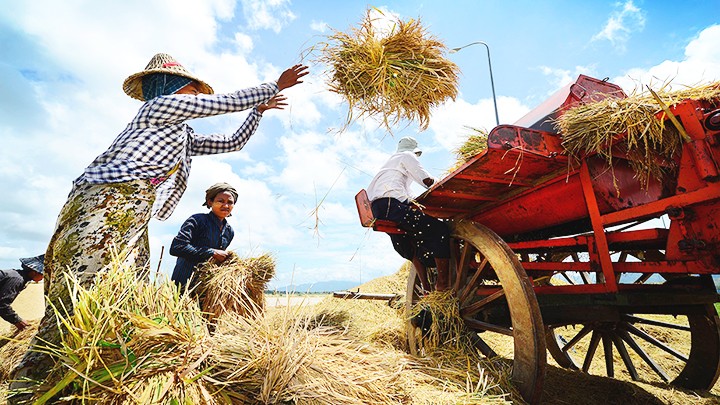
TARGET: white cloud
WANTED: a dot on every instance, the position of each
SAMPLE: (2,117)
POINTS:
(621,25)
(267,14)
(449,123)
(701,65)
(319,26)
(561,77)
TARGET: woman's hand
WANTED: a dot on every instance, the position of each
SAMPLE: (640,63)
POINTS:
(278,101)
(291,76)
(21,325)
(220,255)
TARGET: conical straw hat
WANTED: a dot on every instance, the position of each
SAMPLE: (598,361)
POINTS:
(160,63)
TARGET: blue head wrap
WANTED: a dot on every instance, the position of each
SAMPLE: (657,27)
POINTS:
(162,84)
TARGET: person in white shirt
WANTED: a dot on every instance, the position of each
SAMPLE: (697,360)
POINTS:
(426,241)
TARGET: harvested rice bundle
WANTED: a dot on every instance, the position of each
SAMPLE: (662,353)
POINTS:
(397,75)
(630,125)
(12,348)
(128,342)
(235,286)
(473,145)
(447,326)
(278,358)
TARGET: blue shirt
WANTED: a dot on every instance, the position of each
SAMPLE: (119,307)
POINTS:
(194,243)
(157,144)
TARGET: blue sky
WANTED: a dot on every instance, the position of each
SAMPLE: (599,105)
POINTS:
(62,65)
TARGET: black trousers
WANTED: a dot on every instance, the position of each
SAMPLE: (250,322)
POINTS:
(426,237)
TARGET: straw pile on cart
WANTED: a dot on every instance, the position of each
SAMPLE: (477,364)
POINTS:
(475,143)
(630,126)
(396,75)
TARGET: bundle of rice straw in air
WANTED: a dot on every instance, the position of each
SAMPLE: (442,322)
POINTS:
(473,145)
(630,124)
(235,286)
(400,74)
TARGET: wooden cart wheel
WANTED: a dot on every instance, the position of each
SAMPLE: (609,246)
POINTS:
(496,301)
(643,345)
(691,359)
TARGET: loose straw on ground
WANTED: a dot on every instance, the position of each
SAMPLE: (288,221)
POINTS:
(128,342)
(400,75)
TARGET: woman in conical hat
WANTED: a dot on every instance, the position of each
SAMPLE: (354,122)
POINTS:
(143,173)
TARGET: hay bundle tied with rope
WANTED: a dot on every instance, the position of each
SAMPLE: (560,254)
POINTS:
(235,286)
(634,127)
(398,75)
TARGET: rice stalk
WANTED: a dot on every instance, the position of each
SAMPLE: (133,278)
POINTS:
(475,143)
(126,341)
(237,285)
(400,75)
(629,127)
(13,347)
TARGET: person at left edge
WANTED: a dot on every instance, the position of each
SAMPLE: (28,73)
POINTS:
(12,282)
(143,173)
(204,236)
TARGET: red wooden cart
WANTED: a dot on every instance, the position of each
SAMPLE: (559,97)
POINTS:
(548,255)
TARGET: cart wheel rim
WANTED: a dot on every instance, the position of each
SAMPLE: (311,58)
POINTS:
(527,330)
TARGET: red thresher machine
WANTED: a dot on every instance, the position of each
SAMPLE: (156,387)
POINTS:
(551,257)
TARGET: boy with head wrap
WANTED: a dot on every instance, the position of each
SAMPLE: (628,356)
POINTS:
(204,236)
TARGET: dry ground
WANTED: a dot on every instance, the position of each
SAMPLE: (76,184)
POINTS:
(561,386)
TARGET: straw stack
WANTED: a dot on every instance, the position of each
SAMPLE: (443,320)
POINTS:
(12,348)
(128,341)
(235,286)
(630,127)
(400,75)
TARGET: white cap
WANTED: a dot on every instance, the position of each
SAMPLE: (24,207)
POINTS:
(408,144)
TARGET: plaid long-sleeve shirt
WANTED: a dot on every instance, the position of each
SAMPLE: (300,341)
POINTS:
(157,141)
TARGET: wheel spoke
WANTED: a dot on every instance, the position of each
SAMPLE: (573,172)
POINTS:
(484,348)
(583,332)
(635,319)
(462,265)
(472,284)
(594,340)
(625,357)
(565,276)
(643,278)
(484,326)
(637,332)
(643,355)
(477,306)
(607,348)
